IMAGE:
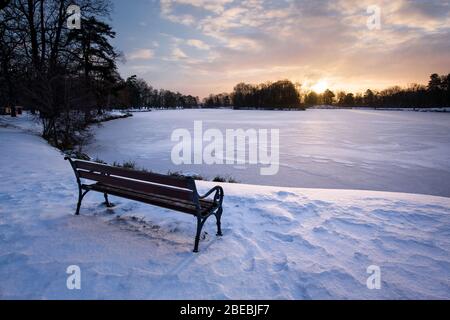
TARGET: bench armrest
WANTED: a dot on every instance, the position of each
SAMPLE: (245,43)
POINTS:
(218,196)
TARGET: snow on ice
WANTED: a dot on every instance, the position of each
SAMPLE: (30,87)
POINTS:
(335,149)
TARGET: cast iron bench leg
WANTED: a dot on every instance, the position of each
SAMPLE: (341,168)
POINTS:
(218,215)
(80,198)
(200,223)
(107,203)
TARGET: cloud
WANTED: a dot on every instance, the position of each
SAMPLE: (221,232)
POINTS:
(167,12)
(305,41)
(178,54)
(198,44)
(215,6)
(141,54)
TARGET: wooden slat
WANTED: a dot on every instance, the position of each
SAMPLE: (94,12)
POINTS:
(179,182)
(207,203)
(138,186)
(169,203)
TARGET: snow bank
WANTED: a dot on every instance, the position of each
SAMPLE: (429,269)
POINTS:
(278,243)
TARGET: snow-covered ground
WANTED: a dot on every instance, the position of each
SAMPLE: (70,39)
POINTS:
(278,242)
(342,149)
(25,122)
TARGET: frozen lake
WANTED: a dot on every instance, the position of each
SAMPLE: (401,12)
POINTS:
(345,149)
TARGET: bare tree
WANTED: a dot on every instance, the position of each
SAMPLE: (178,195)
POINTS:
(38,45)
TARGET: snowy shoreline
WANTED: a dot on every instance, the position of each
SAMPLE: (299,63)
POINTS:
(411,109)
(328,107)
(278,243)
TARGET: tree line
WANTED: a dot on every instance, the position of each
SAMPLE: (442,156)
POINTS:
(433,95)
(135,92)
(284,94)
(281,94)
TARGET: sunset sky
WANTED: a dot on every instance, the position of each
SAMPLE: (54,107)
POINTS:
(207,46)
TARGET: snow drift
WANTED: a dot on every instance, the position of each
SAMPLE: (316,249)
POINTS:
(278,243)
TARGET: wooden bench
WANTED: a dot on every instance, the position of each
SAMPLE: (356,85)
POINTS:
(172,192)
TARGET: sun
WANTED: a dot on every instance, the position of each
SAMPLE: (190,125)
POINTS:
(320,86)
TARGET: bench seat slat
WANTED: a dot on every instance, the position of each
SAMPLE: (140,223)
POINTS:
(99,186)
(180,182)
(155,199)
(138,186)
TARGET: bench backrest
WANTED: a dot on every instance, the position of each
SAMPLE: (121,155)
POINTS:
(182,188)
